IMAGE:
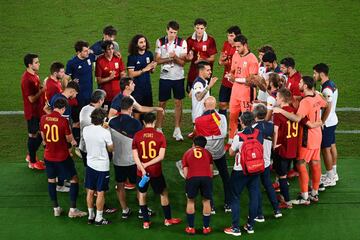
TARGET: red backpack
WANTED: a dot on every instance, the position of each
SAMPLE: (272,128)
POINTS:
(252,154)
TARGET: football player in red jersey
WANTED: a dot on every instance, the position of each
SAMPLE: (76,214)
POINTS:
(148,151)
(201,47)
(33,98)
(56,135)
(284,143)
(197,163)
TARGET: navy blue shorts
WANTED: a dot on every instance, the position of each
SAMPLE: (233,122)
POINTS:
(63,170)
(158,184)
(195,184)
(125,172)
(33,125)
(328,136)
(165,87)
(281,165)
(224,94)
(97,180)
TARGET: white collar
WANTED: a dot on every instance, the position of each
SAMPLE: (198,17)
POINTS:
(204,38)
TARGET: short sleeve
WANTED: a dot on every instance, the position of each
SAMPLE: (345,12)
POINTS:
(66,127)
(163,141)
(98,68)
(270,102)
(236,143)
(107,137)
(158,47)
(184,162)
(131,62)
(303,108)
(254,67)
(198,87)
(133,145)
(115,104)
(276,119)
(184,47)
(27,86)
(92,57)
(69,68)
(328,94)
(122,65)
(212,48)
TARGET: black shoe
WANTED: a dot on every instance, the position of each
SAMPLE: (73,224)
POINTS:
(102,222)
(91,221)
(126,215)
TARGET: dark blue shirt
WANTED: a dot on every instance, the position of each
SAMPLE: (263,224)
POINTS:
(142,82)
(266,128)
(116,102)
(250,130)
(57,96)
(125,125)
(82,70)
(98,50)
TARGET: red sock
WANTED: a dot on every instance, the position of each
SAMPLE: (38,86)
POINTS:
(315,174)
(303,178)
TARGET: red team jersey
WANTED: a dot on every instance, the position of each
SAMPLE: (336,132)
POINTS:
(198,161)
(30,85)
(287,134)
(201,49)
(55,129)
(103,69)
(148,143)
(52,87)
(293,84)
(228,51)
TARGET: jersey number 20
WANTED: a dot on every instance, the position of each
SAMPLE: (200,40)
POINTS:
(52,133)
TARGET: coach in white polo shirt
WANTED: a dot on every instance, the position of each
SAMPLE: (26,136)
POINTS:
(170,53)
(97,142)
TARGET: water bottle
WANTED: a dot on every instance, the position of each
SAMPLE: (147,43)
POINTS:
(144,180)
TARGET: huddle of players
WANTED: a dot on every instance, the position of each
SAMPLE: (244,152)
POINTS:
(242,74)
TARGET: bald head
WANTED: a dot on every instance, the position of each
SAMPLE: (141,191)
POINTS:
(210,103)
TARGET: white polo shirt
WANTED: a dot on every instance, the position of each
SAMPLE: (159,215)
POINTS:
(171,71)
(96,139)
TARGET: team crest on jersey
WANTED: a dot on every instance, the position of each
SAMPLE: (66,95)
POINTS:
(106,68)
(138,62)
(204,48)
(116,65)
(245,64)
(89,62)
(79,67)
(147,60)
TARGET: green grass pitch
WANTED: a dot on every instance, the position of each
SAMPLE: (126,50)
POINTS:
(309,31)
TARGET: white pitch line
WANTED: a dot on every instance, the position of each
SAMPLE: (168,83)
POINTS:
(348,131)
(343,109)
